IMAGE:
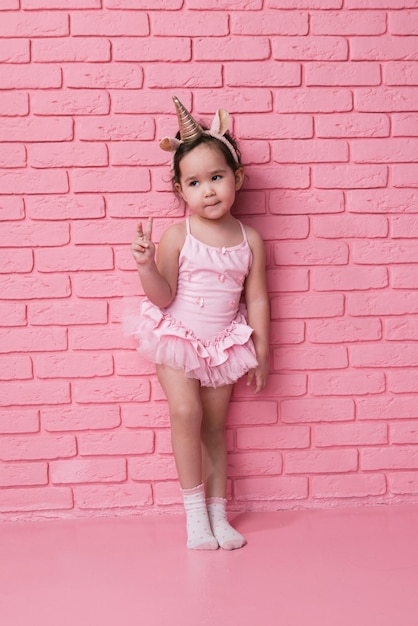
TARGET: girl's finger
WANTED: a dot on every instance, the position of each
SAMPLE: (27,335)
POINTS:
(148,229)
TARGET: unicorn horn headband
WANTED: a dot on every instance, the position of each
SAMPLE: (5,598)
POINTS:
(190,130)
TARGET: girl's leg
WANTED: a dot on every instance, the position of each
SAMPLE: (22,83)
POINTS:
(215,403)
(186,418)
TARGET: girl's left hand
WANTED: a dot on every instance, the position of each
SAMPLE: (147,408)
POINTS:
(258,376)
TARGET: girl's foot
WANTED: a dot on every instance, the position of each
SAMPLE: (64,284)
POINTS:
(227,537)
(199,534)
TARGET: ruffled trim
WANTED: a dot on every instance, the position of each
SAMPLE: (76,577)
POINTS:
(165,340)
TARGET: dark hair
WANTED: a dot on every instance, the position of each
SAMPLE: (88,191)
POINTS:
(185,148)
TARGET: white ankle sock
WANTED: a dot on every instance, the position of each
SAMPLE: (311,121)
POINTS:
(199,534)
(227,537)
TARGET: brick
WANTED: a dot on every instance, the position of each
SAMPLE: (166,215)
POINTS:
(9,4)
(12,155)
(33,287)
(15,421)
(310,358)
(14,103)
(100,497)
(22,474)
(348,23)
(231,48)
(404,226)
(136,153)
(403,433)
(268,74)
(398,73)
(384,150)
(118,443)
(310,48)
(12,314)
(45,77)
(11,208)
(305,4)
(306,202)
(264,463)
(347,383)
(115,128)
(68,207)
(257,412)
(152,468)
(14,51)
(67,313)
(274,126)
(405,124)
(402,22)
(380,4)
(354,434)
(273,437)
(209,24)
(174,49)
(349,278)
(395,457)
(70,102)
(405,175)
(61,4)
(163,441)
(288,279)
(403,482)
(290,177)
(65,50)
(28,392)
(314,100)
(33,340)
(320,461)
(87,471)
(74,259)
(311,253)
(255,100)
(125,179)
(28,447)
(344,330)
(353,486)
(79,418)
(386,99)
(303,410)
(350,176)
(352,125)
(269,23)
(33,182)
(108,232)
(36,129)
(104,76)
(282,227)
(96,339)
(345,74)
(286,332)
(112,391)
(347,226)
(385,252)
(312,151)
(384,355)
(381,201)
(167,493)
(146,415)
(387,408)
(307,306)
(36,499)
(109,24)
(40,24)
(166,5)
(130,363)
(15,261)
(250,5)
(152,101)
(403,329)
(15,367)
(24,234)
(383,303)
(71,366)
(194,75)
(384,48)
(271,488)
(67,155)
(105,285)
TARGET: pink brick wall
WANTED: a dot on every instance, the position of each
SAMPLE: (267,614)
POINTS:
(324,95)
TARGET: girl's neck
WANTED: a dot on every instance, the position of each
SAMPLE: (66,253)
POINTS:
(223,232)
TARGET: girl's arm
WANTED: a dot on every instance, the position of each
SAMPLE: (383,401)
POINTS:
(158,277)
(258,307)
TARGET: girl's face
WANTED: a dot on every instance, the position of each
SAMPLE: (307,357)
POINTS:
(207,183)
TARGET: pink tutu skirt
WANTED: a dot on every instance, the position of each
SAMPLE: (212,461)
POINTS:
(165,340)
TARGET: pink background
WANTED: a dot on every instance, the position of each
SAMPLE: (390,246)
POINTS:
(324,95)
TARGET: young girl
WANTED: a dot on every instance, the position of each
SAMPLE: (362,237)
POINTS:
(192,324)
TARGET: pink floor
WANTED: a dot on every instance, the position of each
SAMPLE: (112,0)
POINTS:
(305,568)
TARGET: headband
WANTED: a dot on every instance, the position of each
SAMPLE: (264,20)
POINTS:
(191,130)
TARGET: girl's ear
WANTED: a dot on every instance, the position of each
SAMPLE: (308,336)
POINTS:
(239,178)
(177,187)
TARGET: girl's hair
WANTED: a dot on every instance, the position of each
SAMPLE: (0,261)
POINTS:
(185,148)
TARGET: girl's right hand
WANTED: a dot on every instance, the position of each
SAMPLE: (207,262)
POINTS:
(142,248)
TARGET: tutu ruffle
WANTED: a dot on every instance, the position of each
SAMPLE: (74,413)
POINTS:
(165,340)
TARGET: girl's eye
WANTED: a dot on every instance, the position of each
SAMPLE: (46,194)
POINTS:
(216,177)
(194,183)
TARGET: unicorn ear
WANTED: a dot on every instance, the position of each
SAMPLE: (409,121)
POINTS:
(220,123)
(169,144)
